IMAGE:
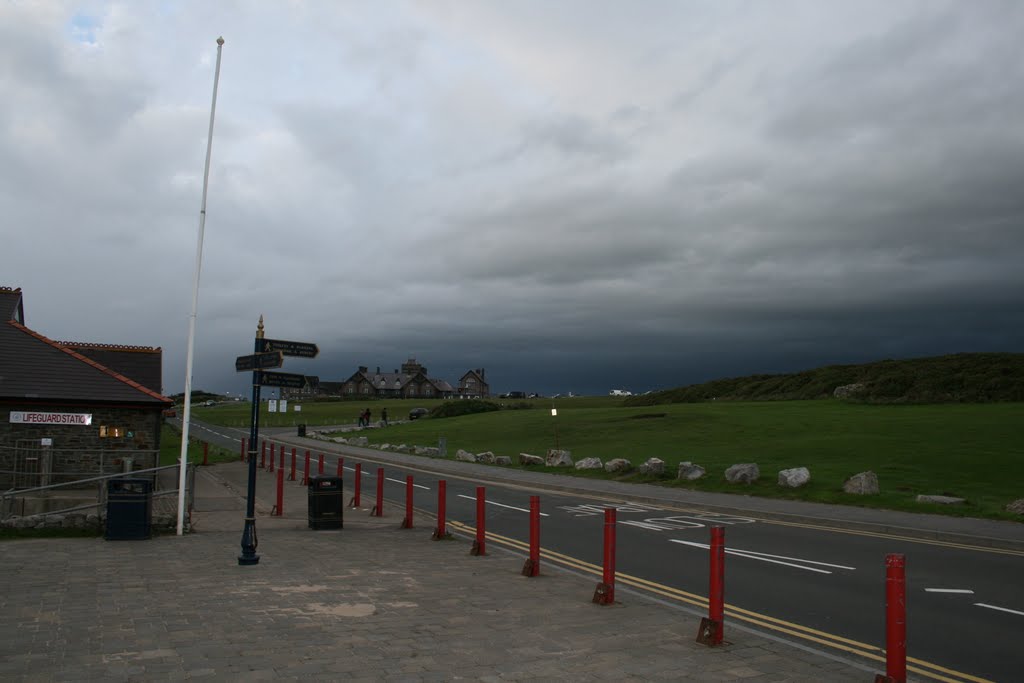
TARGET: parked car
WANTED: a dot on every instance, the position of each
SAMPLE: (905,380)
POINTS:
(417,413)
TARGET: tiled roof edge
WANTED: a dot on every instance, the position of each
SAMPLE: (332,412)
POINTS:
(109,347)
(102,368)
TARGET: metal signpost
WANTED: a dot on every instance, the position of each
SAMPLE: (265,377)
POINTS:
(267,353)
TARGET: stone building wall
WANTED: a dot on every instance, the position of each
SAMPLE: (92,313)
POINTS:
(79,451)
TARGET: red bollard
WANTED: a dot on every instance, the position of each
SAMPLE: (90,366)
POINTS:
(305,471)
(407,522)
(378,509)
(320,465)
(242,447)
(442,494)
(271,468)
(712,628)
(263,455)
(478,545)
(279,508)
(280,462)
(341,467)
(895,619)
(604,594)
(291,477)
(206,452)
(532,565)
(358,485)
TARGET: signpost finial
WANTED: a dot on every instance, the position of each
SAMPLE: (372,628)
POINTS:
(259,328)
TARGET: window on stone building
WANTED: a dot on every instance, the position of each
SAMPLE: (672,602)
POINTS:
(108,432)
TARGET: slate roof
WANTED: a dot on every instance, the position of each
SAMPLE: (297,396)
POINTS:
(35,367)
(144,364)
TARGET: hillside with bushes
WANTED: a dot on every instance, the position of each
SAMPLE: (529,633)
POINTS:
(958,378)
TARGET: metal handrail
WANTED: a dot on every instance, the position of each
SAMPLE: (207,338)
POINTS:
(8,497)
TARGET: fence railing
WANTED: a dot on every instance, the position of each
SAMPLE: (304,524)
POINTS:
(91,493)
(31,465)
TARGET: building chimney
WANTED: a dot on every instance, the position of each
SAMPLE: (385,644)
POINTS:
(378,369)
(362,368)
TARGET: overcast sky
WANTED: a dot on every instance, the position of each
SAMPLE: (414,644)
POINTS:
(574,195)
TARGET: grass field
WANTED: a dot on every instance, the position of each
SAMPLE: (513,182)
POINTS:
(972,451)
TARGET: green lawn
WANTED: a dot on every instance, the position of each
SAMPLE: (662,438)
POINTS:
(971,451)
(170,449)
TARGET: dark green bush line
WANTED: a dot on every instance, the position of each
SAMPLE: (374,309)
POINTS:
(958,378)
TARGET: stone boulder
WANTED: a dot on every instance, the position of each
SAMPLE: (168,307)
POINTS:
(359,441)
(942,500)
(465,456)
(502,460)
(848,390)
(862,484)
(485,457)
(652,466)
(1016,507)
(339,439)
(419,450)
(794,478)
(432,451)
(403,448)
(527,459)
(689,471)
(743,473)
(618,465)
(589,464)
(558,458)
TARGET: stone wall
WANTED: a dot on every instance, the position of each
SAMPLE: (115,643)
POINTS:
(79,451)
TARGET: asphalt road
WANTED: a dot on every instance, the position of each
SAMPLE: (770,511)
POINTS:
(817,586)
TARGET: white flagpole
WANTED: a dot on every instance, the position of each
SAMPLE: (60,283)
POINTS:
(183,468)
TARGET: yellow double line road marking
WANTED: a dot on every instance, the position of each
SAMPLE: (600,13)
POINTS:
(846,645)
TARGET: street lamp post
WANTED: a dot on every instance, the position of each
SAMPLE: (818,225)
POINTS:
(249,541)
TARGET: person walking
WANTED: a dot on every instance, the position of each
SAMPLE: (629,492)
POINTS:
(384,417)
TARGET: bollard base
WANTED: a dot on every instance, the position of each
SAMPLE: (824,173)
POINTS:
(375,512)
(531,568)
(882,678)
(439,535)
(354,503)
(603,594)
(406,524)
(710,633)
(274,512)
(476,549)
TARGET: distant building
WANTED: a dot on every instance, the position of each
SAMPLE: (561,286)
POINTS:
(411,381)
(474,384)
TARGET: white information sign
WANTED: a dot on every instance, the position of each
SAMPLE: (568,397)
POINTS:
(297,408)
(272,405)
(284,406)
(43,418)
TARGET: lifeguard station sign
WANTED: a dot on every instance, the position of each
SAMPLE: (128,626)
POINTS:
(26,417)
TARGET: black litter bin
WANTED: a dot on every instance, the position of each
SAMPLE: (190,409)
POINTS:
(129,509)
(302,430)
(325,503)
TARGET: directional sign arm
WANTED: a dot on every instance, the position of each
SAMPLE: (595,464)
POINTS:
(292,348)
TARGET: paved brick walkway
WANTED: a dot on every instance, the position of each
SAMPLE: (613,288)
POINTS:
(371,602)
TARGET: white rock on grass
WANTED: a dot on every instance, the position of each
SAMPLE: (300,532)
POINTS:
(502,460)
(618,465)
(689,471)
(652,466)
(558,458)
(465,456)
(527,459)
(794,478)
(1016,507)
(862,484)
(485,457)
(589,464)
(743,473)
(942,500)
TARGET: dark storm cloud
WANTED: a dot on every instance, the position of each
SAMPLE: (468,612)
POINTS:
(576,197)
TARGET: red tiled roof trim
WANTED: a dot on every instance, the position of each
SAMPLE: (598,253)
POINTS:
(108,347)
(102,368)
